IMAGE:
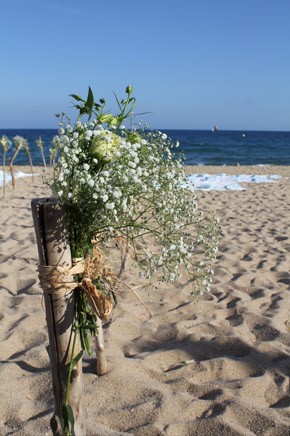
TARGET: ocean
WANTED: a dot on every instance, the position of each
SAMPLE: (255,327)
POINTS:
(200,147)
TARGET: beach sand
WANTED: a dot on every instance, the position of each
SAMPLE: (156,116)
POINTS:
(236,339)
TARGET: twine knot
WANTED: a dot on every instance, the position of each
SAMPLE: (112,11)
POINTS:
(57,280)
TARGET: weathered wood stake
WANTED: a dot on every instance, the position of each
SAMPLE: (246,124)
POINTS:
(4,175)
(102,365)
(53,249)
(11,165)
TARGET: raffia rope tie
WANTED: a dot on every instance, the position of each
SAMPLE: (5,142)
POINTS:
(57,280)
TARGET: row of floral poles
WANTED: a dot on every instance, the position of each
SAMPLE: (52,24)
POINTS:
(19,143)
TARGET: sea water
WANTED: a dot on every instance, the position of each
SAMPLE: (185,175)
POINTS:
(199,147)
(229,147)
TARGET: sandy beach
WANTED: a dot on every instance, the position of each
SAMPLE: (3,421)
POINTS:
(235,340)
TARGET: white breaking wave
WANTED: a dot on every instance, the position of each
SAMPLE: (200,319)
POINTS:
(8,177)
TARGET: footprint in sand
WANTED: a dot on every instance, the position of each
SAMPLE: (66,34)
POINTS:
(259,293)
(262,329)
(270,308)
(235,319)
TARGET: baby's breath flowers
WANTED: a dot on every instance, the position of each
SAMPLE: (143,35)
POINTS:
(114,181)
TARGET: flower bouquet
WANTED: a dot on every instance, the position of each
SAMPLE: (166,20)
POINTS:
(121,182)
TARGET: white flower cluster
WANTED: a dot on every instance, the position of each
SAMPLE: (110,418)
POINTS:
(131,183)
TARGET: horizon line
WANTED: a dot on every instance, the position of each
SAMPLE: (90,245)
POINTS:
(161,129)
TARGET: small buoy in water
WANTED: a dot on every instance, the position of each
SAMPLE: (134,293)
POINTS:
(243,135)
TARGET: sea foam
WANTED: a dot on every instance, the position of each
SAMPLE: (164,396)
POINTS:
(224,182)
(17,175)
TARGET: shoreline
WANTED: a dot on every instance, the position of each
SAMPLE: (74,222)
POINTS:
(282,170)
(211,169)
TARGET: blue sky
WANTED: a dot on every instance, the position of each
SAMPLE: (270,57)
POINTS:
(192,63)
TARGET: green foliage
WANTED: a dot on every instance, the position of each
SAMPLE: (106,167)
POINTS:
(89,107)
(68,420)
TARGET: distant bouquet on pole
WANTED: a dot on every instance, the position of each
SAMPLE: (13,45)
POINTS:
(6,144)
(20,144)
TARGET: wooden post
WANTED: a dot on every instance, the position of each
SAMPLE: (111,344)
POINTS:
(102,365)
(12,172)
(53,249)
(30,162)
(11,165)
(4,175)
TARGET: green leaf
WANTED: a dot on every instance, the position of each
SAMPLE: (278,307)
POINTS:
(90,99)
(84,110)
(83,345)
(117,100)
(87,343)
(76,97)
(68,418)
(90,326)
(76,358)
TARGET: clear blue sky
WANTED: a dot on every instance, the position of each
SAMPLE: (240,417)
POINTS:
(193,63)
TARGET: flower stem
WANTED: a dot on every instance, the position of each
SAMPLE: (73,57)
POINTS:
(70,367)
